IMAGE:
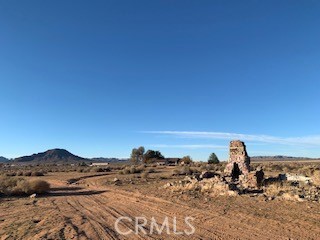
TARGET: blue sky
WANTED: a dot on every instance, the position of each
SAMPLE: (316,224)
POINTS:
(184,77)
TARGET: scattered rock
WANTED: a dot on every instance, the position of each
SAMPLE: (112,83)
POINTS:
(33,195)
(116,181)
(297,178)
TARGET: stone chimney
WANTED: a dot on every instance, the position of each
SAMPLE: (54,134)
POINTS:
(239,161)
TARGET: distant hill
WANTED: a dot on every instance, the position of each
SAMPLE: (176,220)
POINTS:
(50,157)
(282,158)
(3,159)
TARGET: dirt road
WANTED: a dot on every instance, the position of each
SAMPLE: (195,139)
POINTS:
(89,211)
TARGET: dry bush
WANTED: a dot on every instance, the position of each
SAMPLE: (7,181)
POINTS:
(132,170)
(307,170)
(276,167)
(39,186)
(162,177)
(27,174)
(37,174)
(186,170)
(150,170)
(277,189)
(99,169)
(125,171)
(197,164)
(145,175)
(10,174)
(316,177)
(203,168)
(138,169)
(219,167)
(19,186)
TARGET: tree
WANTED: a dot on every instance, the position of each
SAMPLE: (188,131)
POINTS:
(186,160)
(213,159)
(151,154)
(137,155)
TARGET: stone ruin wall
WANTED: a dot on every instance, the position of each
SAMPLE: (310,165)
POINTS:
(238,155)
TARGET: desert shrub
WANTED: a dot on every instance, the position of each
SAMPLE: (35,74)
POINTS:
(124,166)
(276,167)
(307,170)
(99,169)
(96,169)
(186,170)
(20,186)
(186,160)
(197,164)
(145,175)
(278,188)
(150,170)
(39,186)
(10,174)
(125,171)
(176,172)
(27,174)
(209,167)
(203,168)
(218,167)
(132,170)
(37,174)
(80,170)
(162,177)
(139,169)
(316,177)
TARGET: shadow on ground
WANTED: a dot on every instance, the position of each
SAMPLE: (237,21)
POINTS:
(56,193)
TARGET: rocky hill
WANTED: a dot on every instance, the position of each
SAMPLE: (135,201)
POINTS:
(50,157)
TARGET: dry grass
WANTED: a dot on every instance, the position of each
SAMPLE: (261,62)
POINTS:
(132,169)
(316,177)
(145,175)
(185,170)
(277,189)
(14,186)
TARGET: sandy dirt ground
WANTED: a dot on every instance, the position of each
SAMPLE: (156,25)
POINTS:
(89,208)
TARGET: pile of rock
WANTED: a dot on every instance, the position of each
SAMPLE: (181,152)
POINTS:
(295,193)
(214,186)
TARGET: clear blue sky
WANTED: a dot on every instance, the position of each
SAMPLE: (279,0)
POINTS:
(184,77)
